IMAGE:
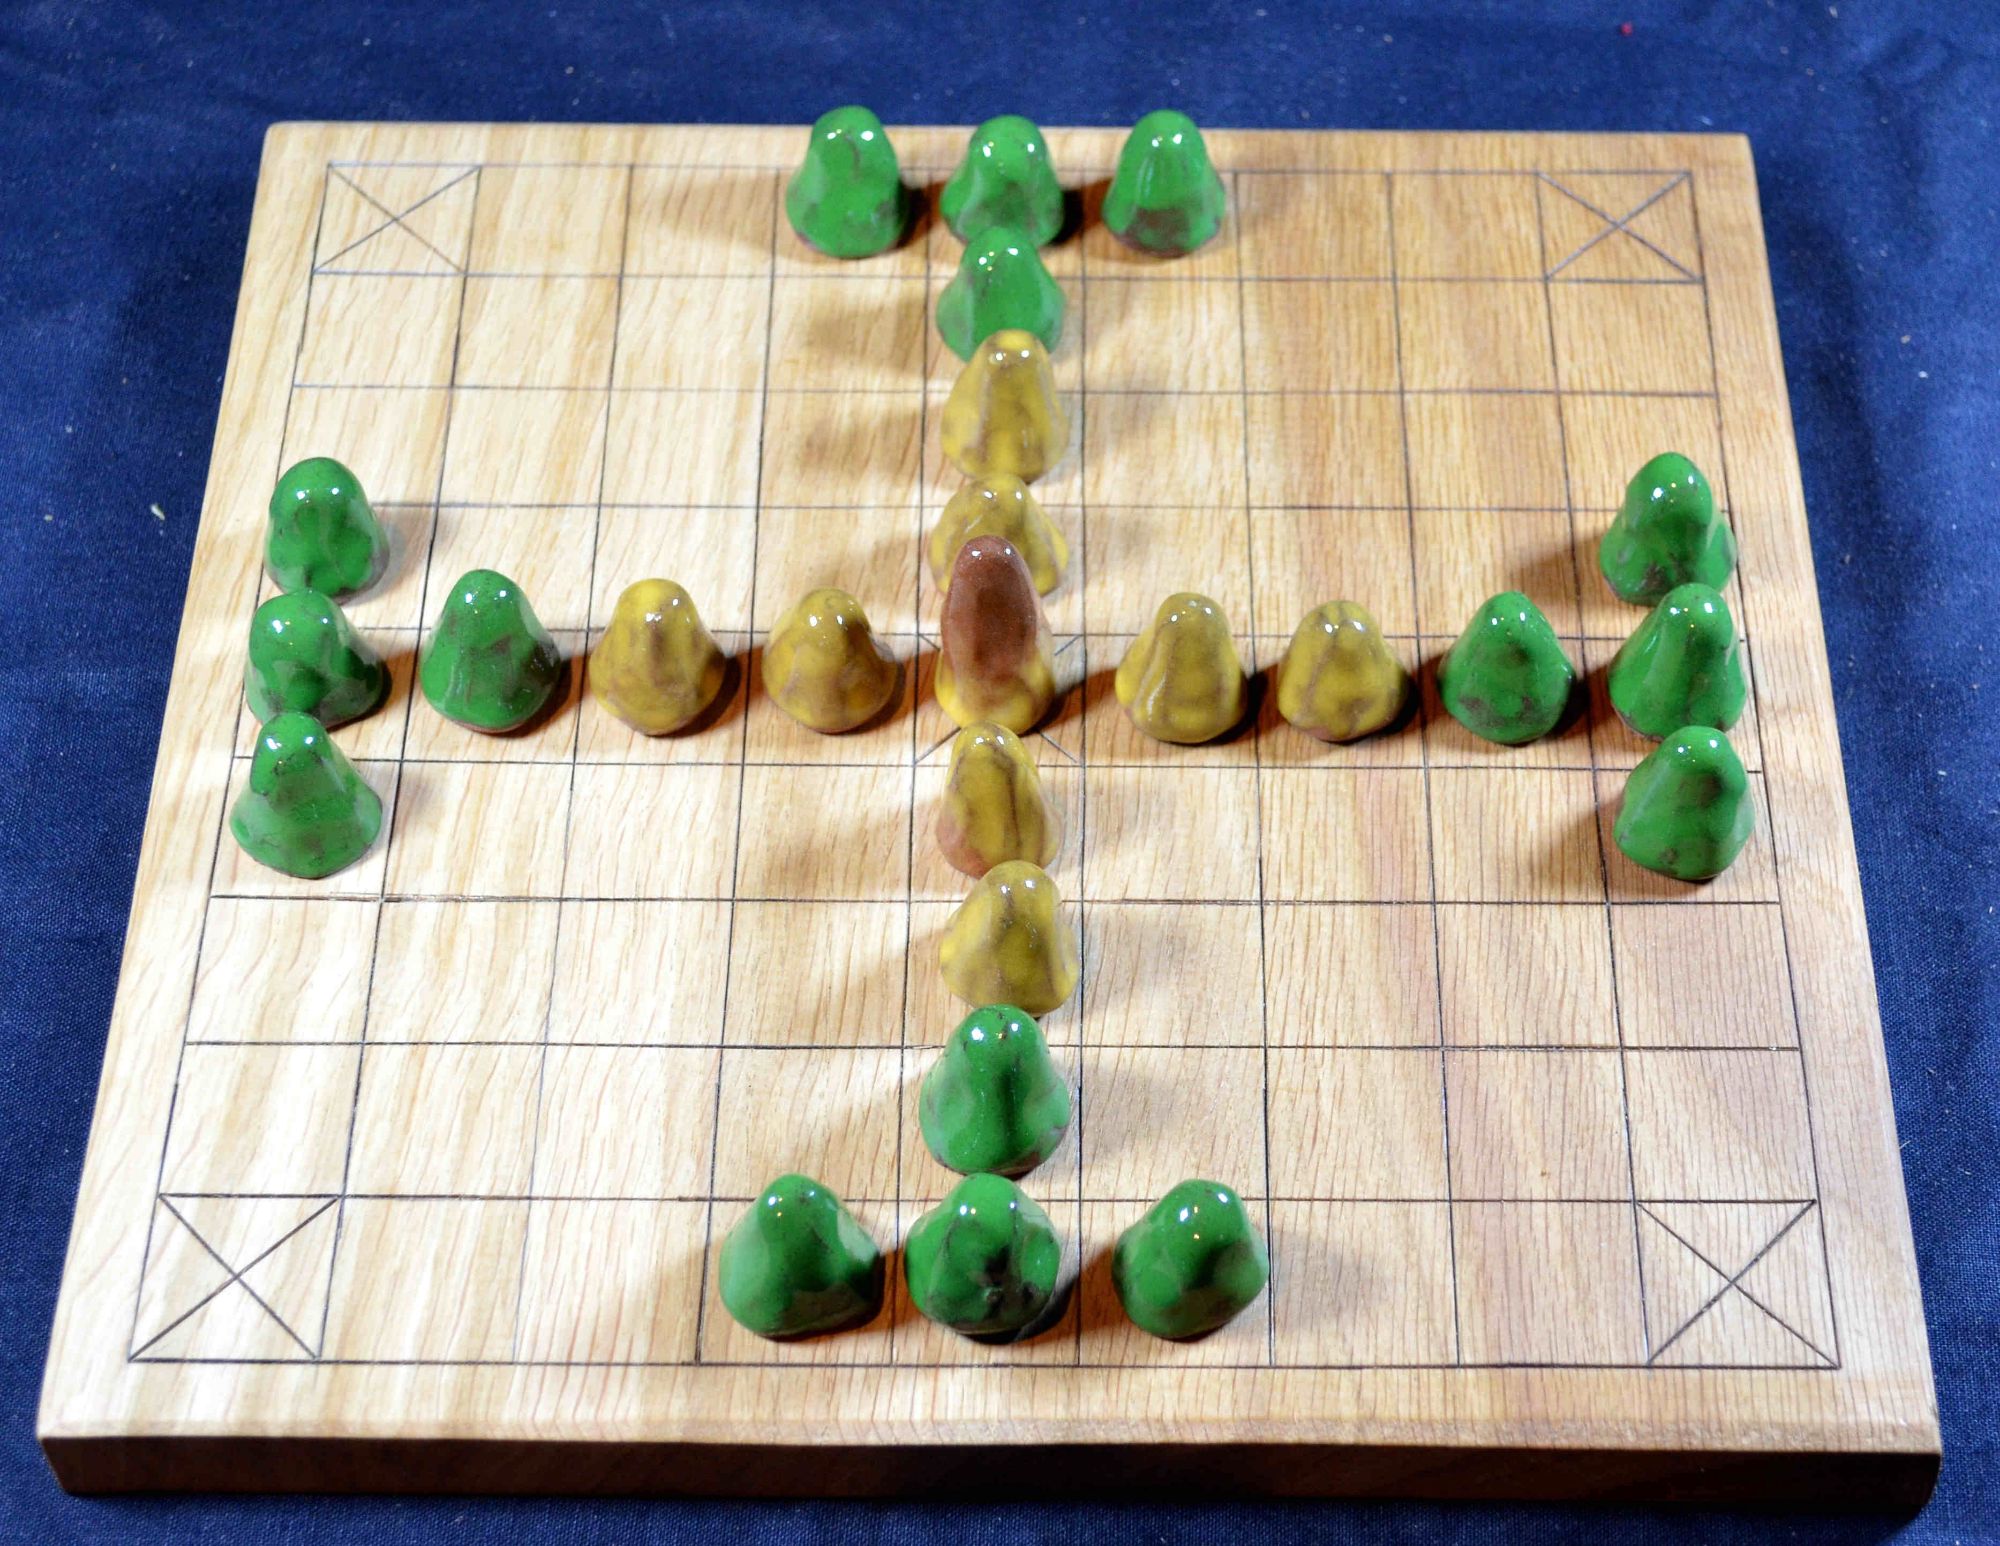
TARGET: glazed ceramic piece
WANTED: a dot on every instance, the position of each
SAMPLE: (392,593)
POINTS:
(1002,415)
(1680,667)
(1165,197)
(1001,284)
(490,663)
(323,534)
(797,1264)
(994,806)
(994,1100)
(1191,1264)
(1507,679)
(823,666)
(1666,533)
(1339,681)
(304,810)
(1181,679)
(1005,179)
(985,1261)
(995,659)
(657,668)
(305,656)
(999,506)
(847,198)
(1687,810)
(1006,942)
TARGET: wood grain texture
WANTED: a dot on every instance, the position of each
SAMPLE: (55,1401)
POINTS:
(1577,1181)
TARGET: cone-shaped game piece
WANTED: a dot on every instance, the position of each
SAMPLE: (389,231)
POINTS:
(1181,679)
(985,1260)
(1007,943)
(847,198)
(1191,1263)
(1506,679)
(656,667)
(1005,179)
(1687,810)
(305,656)
(1338,680)
(1001,284)
(797,1264)
(1002,415)
(994,1100)
(323,534)
(995,808)
(1666,533)
(304,810)
(822,665)
(490,664)
(999,506)
(1680,667)
(995,660)
(1165,197)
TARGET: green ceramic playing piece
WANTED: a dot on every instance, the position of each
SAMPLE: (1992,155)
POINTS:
(1666,533)
(1507,679)
(305,655)
(847,198)
(985,1260)
(1191,1263)
(490,663)
(323,534)
(304,811)
(1165,198)
(1687,810)
(1680,667)
(1005,179)
(797,1264)
(994,1100)
(1000,283)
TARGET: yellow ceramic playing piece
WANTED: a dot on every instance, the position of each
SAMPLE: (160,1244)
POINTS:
(822,665)
(1181,679)
(995,808)
(1006,943)
(994,660)
(999,506)
(1002,415)
(656,667)
(1339,681)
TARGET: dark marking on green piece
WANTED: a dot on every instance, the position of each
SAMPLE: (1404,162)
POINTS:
(985,1261)
(304,810)
(1687,810)
(1166,197)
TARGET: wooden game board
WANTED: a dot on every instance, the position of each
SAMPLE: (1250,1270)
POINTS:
(1576,1180)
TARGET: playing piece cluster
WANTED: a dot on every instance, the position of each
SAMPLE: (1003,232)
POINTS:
(986,1261)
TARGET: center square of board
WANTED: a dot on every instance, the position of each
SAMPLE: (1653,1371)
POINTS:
(416,1176)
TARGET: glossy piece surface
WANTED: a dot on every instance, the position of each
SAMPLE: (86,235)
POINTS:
(1181,679)
(994,807)
(1002,415)
(323,534)
(999,505)
(1001,284)
(823,666)
(1506,679)
(995,659)
(1687,810)
(1005,179)
(657,667)
(1006,943)
(1680,667)
(1192,1263)
(985,1261)
(305,656)
(797,1264)
(1166,197)
(1339,681)
(490,663)
(304,810)
(994,1100)
(1666,533)
(847,198)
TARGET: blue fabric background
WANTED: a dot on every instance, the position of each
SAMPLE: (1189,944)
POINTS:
(129,138)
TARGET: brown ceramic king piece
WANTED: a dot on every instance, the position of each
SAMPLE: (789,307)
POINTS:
(994,657)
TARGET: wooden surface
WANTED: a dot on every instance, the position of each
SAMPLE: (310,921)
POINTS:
(1576,1180)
